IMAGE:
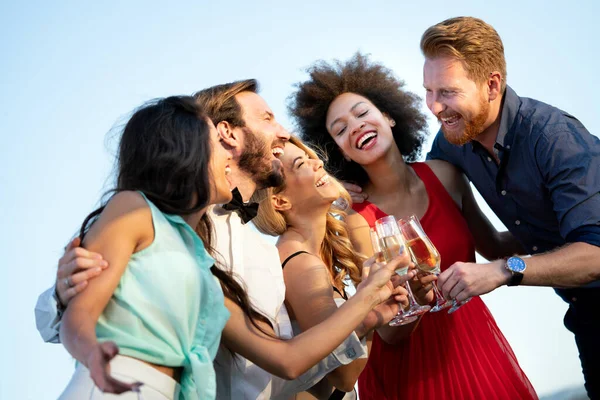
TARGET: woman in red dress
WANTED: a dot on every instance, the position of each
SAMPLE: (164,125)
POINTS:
(369,127)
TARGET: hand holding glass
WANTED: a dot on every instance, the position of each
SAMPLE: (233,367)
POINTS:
(390,243)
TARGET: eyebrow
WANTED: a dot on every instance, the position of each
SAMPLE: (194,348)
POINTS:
(352,109)
(452,88)
(298,158)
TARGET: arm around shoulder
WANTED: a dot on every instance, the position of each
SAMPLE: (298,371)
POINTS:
(123,227)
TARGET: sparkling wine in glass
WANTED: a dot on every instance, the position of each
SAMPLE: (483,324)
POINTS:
(378,250)
(392,244)
(424,255)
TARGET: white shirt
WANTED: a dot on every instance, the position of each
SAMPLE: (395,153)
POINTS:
(256,262)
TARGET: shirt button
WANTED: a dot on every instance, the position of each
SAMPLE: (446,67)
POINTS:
(534,248)
(573,299)
(508,146)
(489,158)
(517,222)
(503,193)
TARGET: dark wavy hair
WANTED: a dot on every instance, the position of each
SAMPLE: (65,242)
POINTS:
(164,152)
(309,105)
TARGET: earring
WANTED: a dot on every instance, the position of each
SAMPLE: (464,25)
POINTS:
(392,123)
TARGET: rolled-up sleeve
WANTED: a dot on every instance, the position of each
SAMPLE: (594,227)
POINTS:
(351,349)
(570,162)
(47,319)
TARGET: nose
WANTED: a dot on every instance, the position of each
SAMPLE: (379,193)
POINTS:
(357,127)
(282,133)
(317,164)
(434,105)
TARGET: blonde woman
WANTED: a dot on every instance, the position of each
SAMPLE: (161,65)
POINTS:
(315,251)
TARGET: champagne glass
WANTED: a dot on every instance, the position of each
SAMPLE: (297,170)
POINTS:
(401,318)
(424,255)
(392,244)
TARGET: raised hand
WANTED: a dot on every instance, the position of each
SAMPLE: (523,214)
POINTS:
(378,275)
(75,268)
(422,287)
(98,363)
(355,192)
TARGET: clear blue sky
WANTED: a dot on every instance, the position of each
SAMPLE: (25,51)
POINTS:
(69,73)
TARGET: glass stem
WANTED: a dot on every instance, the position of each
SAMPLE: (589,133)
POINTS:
(438,295)
(411,298)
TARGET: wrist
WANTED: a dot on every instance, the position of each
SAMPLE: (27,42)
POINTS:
(368,297)
(361,330)
(504,274)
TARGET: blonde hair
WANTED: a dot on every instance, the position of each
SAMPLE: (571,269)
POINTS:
(470,40)
(337,251)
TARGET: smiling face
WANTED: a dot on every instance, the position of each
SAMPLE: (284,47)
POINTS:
(361,130)
(219,168)
(263,140)
(459,103)
(307,184)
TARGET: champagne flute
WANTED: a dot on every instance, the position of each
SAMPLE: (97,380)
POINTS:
(392,244)
(424,255)
(400,318)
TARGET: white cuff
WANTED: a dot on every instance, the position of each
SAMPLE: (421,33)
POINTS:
(47,320)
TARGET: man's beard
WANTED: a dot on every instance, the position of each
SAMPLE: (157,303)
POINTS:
(473,127)
(256,161)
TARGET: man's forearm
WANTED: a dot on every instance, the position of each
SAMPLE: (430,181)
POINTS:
(573,265)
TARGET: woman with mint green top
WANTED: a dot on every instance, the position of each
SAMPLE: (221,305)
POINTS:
(158,304)
(152,321)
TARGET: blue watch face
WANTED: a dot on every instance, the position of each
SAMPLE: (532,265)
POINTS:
(516,264)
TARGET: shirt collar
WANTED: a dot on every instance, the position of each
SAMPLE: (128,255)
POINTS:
(510,107)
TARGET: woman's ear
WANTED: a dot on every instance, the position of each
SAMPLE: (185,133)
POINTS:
(389,119)
(280,203)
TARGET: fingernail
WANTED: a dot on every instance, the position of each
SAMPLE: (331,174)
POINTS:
(104,264)
(97,270)
(98,256)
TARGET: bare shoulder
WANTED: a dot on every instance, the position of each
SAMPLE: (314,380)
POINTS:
(355,220)
(451,178)
(306,271)
(127,202)
(126,213)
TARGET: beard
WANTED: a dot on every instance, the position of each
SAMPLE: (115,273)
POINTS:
(473,127)
(256,161)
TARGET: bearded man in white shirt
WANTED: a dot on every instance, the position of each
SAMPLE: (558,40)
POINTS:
(247,125)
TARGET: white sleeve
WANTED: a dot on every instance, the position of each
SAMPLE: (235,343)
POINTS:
(47,319)
(351,349)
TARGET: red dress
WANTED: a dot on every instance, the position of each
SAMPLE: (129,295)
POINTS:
(449,356)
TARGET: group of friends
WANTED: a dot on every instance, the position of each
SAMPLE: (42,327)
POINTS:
(169,293)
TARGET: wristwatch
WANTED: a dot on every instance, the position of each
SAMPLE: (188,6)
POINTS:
(516,266)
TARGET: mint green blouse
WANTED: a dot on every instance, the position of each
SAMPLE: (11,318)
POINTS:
(168,308)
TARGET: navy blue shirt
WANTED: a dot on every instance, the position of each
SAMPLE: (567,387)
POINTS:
(546,189)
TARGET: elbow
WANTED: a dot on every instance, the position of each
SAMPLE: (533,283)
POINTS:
(289,370)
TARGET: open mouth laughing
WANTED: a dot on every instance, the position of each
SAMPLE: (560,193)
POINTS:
(277,151)
(450,121)
(366,140)
(324,180)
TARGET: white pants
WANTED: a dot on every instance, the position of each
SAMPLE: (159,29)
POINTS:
(156,385)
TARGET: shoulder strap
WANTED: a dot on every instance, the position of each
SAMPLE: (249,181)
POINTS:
(292,256)
(344,295)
